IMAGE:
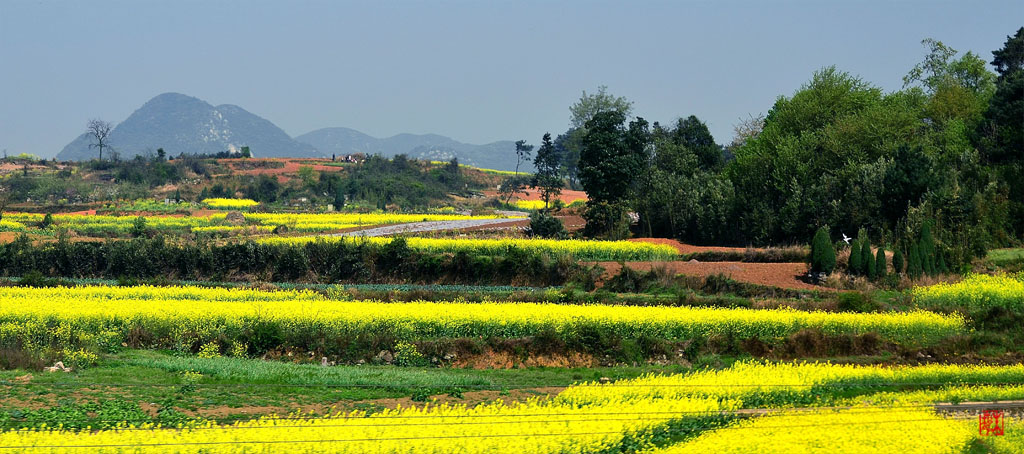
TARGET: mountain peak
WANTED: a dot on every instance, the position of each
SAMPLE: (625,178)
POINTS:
(179,123)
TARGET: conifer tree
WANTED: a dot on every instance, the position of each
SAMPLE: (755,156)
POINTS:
(854,264)
(914,265)
(868,260)
(897,262)
(823,254)
(880,267)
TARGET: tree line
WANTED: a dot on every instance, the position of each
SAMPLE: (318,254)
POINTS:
(946,151)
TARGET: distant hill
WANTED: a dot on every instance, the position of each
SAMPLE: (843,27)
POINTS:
(183,124)
(342,141)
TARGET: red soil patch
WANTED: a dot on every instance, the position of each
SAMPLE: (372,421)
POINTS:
(784,275)
(567,196)
(572,223)
(688,248)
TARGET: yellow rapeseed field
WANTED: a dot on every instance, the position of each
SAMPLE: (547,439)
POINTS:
(306,222)
(176,317)
(610,420)
(538,204)
(589,250)
(977,291)
(858,430)
(230,204)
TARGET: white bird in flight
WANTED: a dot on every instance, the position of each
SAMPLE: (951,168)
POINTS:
(846,239)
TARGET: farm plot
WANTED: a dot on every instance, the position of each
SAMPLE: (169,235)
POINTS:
(81,320)
(257,222)
(663,414)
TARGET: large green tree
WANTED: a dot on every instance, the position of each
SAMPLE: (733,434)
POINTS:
(612,157)
(685,198)
(1002,132)
(570,144)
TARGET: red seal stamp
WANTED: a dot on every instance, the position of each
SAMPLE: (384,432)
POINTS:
(990,422)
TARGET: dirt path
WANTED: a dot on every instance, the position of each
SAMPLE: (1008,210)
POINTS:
(784,275)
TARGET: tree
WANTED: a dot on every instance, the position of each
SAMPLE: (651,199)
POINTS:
(570,144)
(339,199)
(939,69)
(695,136)
(1001,134)
(511,186)
(897,262)
(522,153)
(515,184)
(99,132)
(927,250)
(546,177)
(1010,58)
(590,105)
(853,264)
(746,130)
(870,269)
(612,157)
(914,267)
(823,254)
(545,225)
(880,266)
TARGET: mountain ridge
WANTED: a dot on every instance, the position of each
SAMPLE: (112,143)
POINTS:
(180,123)
(342,140)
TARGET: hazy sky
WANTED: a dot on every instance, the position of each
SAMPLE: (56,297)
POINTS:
(477,71)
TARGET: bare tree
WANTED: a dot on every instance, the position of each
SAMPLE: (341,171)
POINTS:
(747,129)
(100,131)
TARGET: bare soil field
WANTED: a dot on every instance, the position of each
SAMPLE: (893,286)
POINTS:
(784,275)
(566,196)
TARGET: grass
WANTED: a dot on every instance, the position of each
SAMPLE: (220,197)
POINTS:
(236,389)
(1005,257)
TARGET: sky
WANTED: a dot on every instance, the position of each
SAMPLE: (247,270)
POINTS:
(477,71)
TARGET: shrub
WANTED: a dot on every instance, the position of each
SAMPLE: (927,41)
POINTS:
(856,302)
(545,225)
(46,222)
(209,350)
(823,255)
(606,220)
(897,262)
(407,355)
(138,226)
